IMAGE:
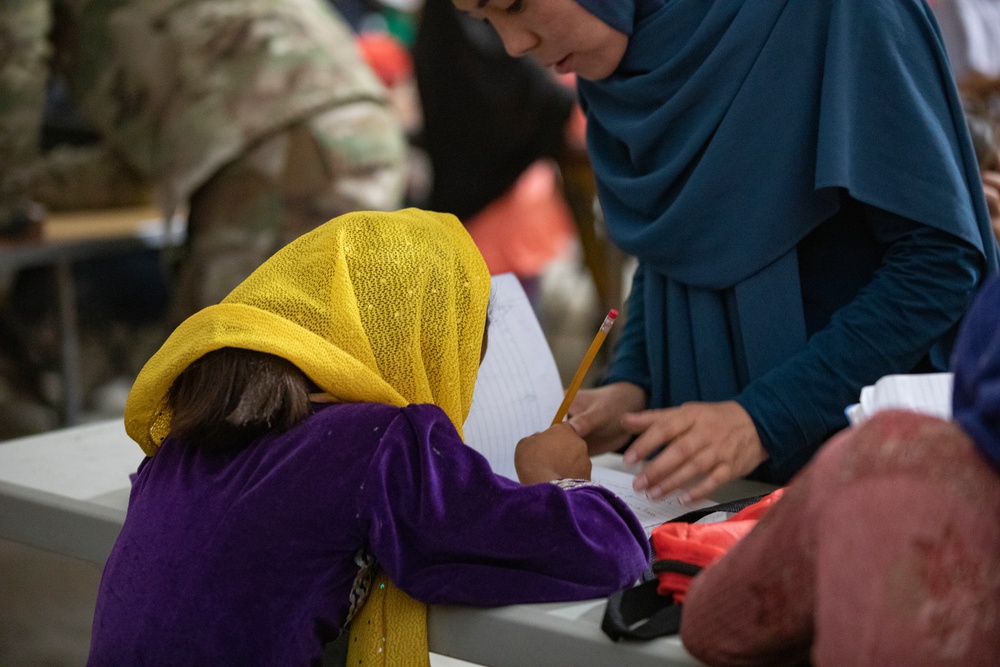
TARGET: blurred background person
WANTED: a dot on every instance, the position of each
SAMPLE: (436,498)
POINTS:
(492,129)
(971,33)
(985,133)
(260,118)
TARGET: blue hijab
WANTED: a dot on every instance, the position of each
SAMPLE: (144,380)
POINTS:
(976,364)
(621,15)
(721,141)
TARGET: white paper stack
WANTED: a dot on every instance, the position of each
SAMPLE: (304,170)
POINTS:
(929,393)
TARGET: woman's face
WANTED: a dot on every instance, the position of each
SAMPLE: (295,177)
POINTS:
(557,33)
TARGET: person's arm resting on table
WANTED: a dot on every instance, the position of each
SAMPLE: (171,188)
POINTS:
(448,530)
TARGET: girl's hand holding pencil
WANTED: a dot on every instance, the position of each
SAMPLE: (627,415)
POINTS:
(559,452)
(555,453)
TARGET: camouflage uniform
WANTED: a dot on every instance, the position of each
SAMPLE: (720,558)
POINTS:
(259,116)
(24,52)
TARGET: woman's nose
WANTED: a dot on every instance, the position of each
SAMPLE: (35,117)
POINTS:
(517,40)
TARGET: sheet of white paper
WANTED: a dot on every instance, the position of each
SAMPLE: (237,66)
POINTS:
(929,393)
(651,513)
(518,390)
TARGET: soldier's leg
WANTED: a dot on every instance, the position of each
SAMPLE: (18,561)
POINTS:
(24,51)
(344,159)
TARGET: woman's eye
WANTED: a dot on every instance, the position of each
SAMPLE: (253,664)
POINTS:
(515,7)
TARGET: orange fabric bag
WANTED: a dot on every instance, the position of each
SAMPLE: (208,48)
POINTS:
(699,544)
(683,548)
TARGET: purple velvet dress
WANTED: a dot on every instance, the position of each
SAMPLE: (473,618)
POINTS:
(254,557)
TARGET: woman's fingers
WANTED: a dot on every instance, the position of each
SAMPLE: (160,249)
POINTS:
(702,446)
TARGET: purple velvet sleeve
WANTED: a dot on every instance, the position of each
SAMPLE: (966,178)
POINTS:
(448,530)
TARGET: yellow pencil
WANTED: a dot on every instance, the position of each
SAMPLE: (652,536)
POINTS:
(588,359)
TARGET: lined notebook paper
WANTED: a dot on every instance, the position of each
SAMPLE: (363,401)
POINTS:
(518,392)
(518,389)
(651,513)
(929,393)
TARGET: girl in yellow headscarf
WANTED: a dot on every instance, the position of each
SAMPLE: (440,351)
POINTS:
(305,434)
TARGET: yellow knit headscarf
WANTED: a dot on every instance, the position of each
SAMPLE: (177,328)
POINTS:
(373,307)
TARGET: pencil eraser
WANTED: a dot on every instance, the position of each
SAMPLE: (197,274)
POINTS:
(613,314)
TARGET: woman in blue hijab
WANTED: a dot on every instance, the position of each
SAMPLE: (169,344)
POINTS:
(797,182)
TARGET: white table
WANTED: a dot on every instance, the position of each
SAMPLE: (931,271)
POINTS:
(67,491)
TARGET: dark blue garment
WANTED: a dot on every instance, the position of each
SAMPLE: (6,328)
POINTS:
(621,15)
(730,133)
(976,364)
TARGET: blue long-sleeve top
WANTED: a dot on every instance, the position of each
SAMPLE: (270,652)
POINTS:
(878,291)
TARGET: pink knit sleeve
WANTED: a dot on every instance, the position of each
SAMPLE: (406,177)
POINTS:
(754,606)
(885,551)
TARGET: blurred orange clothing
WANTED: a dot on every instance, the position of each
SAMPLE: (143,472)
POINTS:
(387,57)
(527,227)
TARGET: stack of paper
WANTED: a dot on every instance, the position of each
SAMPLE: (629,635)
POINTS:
(929,393)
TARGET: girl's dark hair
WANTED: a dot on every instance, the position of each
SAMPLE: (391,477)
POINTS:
(230,397)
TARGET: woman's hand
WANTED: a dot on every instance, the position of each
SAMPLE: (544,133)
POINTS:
(596,415)
(556,453)
(707,444)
